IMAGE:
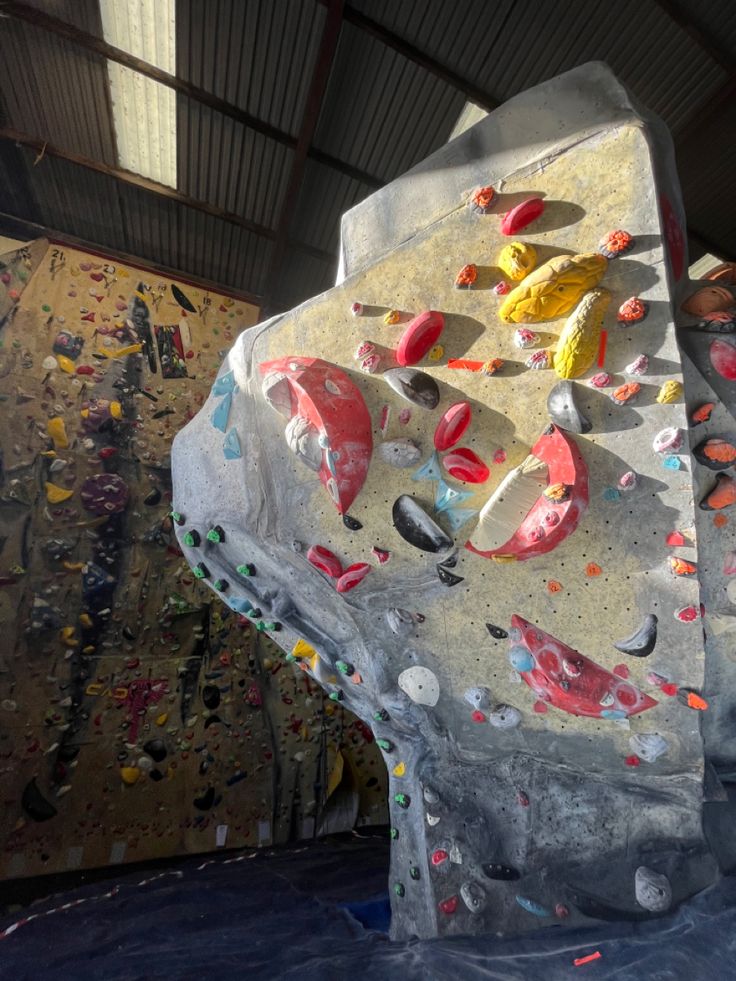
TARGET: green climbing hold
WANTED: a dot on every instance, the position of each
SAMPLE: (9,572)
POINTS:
(221,585)
(344,668)
(246,570)
(290,659)
(216,535)
(414,872)
(177,518)
(394,833)
(381,715)
(399,889)
(336,696)
(201,571)
(385,745)
(403,800)
(192,538)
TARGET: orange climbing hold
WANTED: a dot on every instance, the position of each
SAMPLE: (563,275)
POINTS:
(553,586)
(592,569)
(680,567)
(467,276)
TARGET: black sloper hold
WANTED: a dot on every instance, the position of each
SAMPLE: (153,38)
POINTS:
(205,802)
(211,696)
(156,749)
(351,523)
(496,871)
(498,633)
(35,804)
(641,642)
(448,578)
(416,527)
(596,909)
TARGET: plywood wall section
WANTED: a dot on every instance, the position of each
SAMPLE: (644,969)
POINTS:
(139,717)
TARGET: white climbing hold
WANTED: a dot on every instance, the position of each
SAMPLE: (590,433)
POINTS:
(648,746)
(653,891)
(421,685)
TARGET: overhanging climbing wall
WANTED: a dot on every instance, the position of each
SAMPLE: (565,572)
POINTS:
(536,695)
(139,717)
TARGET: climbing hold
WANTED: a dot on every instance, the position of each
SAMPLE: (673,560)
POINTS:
(177,518)
(648,746)
(392,317)
(723,358)
(353,575)
(501,288)
(474,896)
(715,453)
(416,386)
(206,800)
(246,569)
(689,614)
(681,567)
(399,452)
(56,494)
(399,889)
(324,560)
(479,697)
(448,906)
(130,775)
(420,684)
(153,497)
(466,277)
(531,906)
(401,622)
(446,577)
(521,216)
(381,555)
(517,260)
(521,659)
(452,425)
(615,244)
(403,800)
(524,338)
(632,311)
(416,527)
(653,891)
(356,308)
(57,431)
(216,535)
(385,744)
(394,834)
(231,446)
(192,538)
(221,585)
(504,717)
(600,380)
(35,804)
(639,366)
(579,340)
(414,872)
(225,384)
(668,440)
(641,643)
(563,409)
(481,198)
(553,288)
(539,360)
(628,480)
(399,770)
(708,299)
(498,633)
(421,334)
(464,464)
(702,413)
(686,696)
(201,571)
(722,495)
(104,494)
(494,870)
(670,391)
(718,322)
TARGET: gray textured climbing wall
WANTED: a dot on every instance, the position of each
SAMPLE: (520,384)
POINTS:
(351,448)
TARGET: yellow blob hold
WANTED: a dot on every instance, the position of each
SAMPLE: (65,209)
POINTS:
(121,352)
(116,410)
(66,364)
(302,649)
(392,317)
(669,392)
(89,649)
(329,708)
(94,688)
(162,719)
(129,774)
(66,636)
(85,619)
(553,288)
(517,260)
(73,566)
(400,769)
(581,336)
(56,494)
(436,353)
(57,431)
(503,559)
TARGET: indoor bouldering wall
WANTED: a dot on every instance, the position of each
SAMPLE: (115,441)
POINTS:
(139,716)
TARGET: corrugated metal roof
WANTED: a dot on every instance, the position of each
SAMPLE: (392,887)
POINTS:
(381,114)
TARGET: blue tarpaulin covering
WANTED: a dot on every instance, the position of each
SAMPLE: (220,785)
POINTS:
(319,912)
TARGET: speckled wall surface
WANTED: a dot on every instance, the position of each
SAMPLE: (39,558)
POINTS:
(139,717)
(562,801)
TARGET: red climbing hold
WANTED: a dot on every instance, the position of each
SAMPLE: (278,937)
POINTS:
(723,358)
(668,688)
(419,337)
(463,464)
(439,856)
(325,560)
(632,760)
(353,575)
(452,425)
(448,906)
(478,716)
(521,216)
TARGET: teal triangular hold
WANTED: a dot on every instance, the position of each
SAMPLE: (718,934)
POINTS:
(221,413)
(458,516)
(240,605)
(446,496)
(224,385)
(429,470)
(231,446)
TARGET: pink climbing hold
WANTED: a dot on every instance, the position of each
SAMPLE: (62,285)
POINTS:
(676,539)
(463,464)
(521,216)
(540,707)
(419,337)
(381,555)
(325,560)
(723,358)
(452,425)
(621,671)
(477,716)
(353,575)
(439,856)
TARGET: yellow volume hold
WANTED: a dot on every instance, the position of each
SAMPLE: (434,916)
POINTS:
(553,288)
(581,336)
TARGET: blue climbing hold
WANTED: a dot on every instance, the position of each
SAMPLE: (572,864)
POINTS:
(221,413)
(671,462)
(240,605)
(611,494)
(225,384)
(533,907)
(521,659)
(613,714)
(231,446)
(429,470)
(456,517)
(447,496)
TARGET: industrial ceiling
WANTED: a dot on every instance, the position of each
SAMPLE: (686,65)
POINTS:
(285,113)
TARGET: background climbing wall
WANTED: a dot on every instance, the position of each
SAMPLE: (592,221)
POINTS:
(139,717)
